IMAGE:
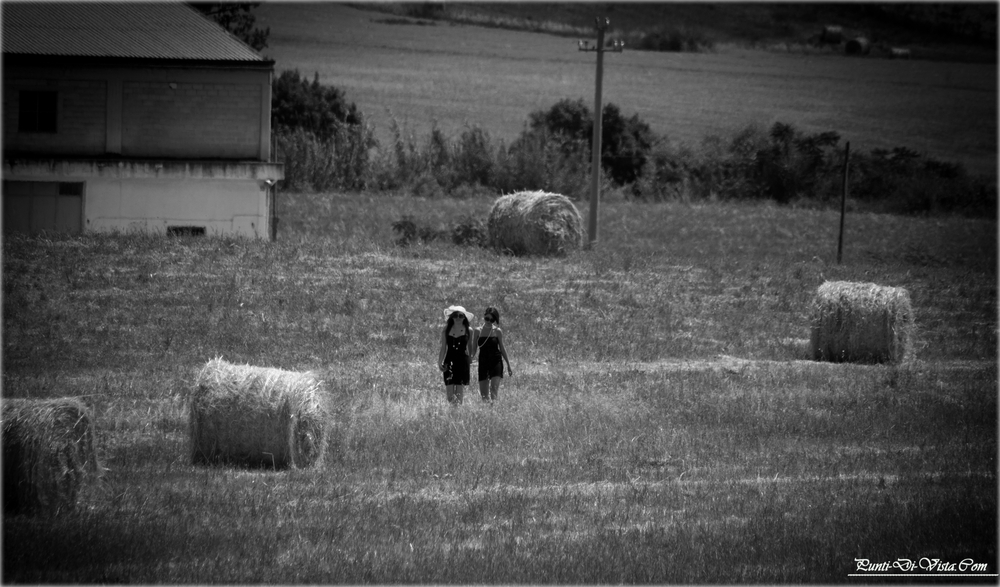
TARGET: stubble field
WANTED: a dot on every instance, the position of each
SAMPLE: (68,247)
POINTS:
(664,423)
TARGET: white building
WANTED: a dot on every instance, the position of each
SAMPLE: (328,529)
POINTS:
(133,116)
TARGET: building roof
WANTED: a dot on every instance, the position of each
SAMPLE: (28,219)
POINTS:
(140,30)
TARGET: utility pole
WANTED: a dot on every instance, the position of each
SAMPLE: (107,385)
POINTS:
(601,24)
(843,201)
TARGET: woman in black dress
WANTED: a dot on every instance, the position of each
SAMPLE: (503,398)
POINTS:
(488,341)
(455,354)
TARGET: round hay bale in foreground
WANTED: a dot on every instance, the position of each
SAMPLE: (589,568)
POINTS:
(534,223)
(861,322)
(48,454)
(257,417)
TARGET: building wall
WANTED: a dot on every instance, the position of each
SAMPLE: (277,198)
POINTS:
(221,207)
(81,121)
(197,120)
(221,198)
(170,112)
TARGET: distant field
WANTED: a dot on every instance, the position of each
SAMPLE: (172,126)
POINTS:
(454,76)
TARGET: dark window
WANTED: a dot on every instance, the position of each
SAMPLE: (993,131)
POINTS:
(70,189)
(185,231)
(37,111)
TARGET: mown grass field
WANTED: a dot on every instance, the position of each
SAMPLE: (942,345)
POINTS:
(663,424)
(454,76)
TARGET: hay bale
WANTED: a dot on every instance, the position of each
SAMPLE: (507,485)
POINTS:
(257,417)
(534,223)
(899,53)
(832,34)
(48,454)
(858,46)
(861,322)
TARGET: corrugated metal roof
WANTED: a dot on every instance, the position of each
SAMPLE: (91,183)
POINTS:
(130,30)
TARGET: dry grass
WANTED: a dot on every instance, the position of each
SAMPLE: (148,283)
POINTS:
(257,416)
(861,322)
(534,223)
(48,454)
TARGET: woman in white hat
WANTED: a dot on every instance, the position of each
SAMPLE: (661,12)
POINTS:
(456,348)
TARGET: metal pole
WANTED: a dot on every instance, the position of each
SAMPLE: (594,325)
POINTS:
(843,202)
(595,146)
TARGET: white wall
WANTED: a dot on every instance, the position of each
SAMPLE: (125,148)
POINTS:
(222,207)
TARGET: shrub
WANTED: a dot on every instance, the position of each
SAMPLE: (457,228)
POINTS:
(322,139)
(342,162)
(671,39)
(625,142)
(537,161)
(316,108)
(410,232)
(469,231)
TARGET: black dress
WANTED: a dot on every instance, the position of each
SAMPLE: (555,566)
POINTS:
(456,360)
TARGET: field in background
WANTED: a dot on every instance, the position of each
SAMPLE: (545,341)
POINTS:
(463,75)
(662,425)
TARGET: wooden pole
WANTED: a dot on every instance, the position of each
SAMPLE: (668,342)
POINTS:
(595,146)
(843,202)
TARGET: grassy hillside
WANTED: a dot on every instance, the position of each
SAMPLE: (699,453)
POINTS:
(453,77)
(941,31)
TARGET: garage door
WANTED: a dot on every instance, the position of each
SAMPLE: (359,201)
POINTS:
(36,206)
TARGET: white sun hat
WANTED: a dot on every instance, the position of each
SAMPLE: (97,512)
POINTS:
(452,309)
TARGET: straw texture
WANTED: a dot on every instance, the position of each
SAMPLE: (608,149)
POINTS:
(49,454)
(534,223)
(257,417)
(861,322)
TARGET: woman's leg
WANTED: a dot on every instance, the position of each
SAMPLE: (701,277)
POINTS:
(495,388)
(453,393)
(484,389)
(459,393)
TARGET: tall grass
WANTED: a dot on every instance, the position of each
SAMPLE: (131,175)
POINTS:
(661,425)
(780,163)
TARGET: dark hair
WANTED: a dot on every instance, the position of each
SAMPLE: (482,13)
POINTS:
(495,313)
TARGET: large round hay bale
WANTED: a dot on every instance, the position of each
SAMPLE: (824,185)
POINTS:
(861,322)
(858,46)
(257,417)
(534,223)
(49,454)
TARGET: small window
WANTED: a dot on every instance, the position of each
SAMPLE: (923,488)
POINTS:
(70,189)
(37,111)
(185,231)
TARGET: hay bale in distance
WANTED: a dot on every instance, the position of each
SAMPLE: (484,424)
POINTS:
(257,417)
(861,322)
(858,46)
(534,223)
(899,53)
(49,454)
(832,34)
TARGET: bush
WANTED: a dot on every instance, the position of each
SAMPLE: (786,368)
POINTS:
(671,39)
(322,139)
(341,162)
(538,161)
(904,181)
(321,110)
(625,142)
(467,231)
